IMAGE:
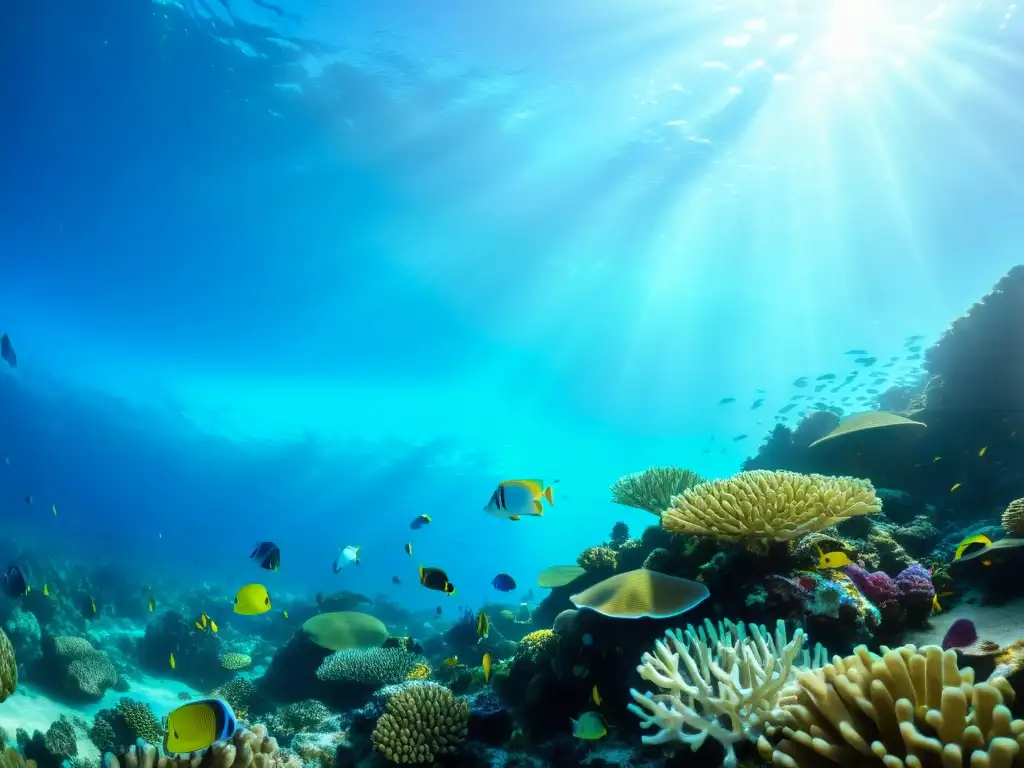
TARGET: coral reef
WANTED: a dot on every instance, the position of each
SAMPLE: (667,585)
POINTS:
(420,723)
(246,748)
(8,667)
(370,667)
(652,490)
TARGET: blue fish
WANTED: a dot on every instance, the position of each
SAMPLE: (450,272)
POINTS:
(503,582)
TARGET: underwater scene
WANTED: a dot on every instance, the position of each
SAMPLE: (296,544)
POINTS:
(529,385)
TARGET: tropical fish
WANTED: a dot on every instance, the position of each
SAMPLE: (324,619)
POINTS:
(213,626)
(978,538)
(438,611)
(152,604)
(485,662)
(7,351)
(198,724)
(727,400)
(936,607)
(503,582)
(832,559)
(408,548)
(855,352)
(46,590)
(436,579)
(513,499)
(483,626)
(590,726)
(252,600)
(595,696)
(53,508)
(203,622)
(955,486)
(451,661)
(347,556)
(284,613)
(419,521)
(983,451)
(396,580)
(268,554)
(89,608)
(174,664)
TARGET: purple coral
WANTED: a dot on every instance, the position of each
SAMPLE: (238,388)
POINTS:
(918,592)
(877,587)
(961,634)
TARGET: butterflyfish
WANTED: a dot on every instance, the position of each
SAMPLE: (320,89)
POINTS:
(590,726)
(268,555)
(347,556)
(213,626)
(979,538)
(203,622)
(436,579)
(514,499)
(408,548)
(419,521)
(832,559)
(485,662)
(503,582)
(173,663)
(197,725)
(483,626)
(251,600)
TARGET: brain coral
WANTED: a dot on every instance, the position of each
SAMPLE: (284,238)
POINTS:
(374,667)
(772,505)
(8,667)
(421,722)
(91,675)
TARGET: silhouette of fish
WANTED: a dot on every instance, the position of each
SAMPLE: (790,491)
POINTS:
(7,351)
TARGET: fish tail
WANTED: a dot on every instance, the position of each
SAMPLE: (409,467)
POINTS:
(549,494)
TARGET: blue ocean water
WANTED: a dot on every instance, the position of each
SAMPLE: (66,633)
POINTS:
(303,271)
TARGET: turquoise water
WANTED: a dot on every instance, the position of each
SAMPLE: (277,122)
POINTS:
(297,273)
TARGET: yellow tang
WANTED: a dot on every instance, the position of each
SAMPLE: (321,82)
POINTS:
(979,538)
(252,600)
(832,559)
(198,724)
(213,625)
(172,661)
(486,664)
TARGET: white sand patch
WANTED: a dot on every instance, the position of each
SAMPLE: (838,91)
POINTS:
(34,711)
(1000,623)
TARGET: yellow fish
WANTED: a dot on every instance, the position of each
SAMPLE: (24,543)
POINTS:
(486,664)
(595,696)
(832,559)
(54,508)
(483,626)
(93,604)
(285,614)
(213,626)
(46,590)
(197,725)
(978,538)
(202,622)
(936,607)
(982,451)
(152,604)
(252,600)
(955,486)
(173,663)
(28,589)
(590,726)
(513,499)
(451,661)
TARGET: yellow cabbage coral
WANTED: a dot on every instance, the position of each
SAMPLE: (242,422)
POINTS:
(419,672)
(905,708)
(420,722)
(772,506)
(536,645)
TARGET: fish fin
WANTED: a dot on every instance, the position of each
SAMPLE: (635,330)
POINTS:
(514,517)
(549,494)
(538,508)
(536,487)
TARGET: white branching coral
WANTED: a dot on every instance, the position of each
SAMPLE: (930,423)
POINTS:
(719,682)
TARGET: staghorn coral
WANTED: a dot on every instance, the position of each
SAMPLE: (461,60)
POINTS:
(652,490)
(420,723)
(8,667)
(373,667)
(907,707)
(1013,518)
(726,673)
(767,505)
(595,559)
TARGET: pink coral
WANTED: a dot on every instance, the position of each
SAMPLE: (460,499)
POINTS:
(878,587)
